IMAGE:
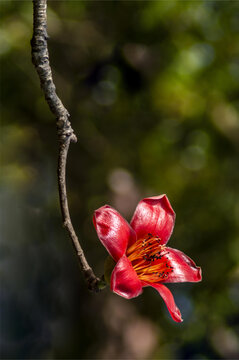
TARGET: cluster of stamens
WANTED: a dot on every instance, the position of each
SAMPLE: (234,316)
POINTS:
(149,259)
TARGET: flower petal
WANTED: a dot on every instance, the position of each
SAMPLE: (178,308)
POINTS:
(184,268)
(169,301)
(124,280)
(113,231)
(154,216)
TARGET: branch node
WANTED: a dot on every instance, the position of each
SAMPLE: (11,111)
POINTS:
(74,138)
(66,223)
(94,283)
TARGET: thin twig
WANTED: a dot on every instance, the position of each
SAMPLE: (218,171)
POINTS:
(40,59)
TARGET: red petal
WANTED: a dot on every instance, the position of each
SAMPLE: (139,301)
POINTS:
(184,268)
(113,231)
(169,301)
(154,216)
(124,280)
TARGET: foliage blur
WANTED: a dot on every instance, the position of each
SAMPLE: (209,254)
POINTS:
(153,92)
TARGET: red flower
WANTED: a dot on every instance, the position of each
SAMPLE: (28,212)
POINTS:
(140,252)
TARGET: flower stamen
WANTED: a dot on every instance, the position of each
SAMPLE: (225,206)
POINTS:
(149,259)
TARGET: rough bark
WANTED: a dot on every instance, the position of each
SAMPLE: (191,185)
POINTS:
(40,59)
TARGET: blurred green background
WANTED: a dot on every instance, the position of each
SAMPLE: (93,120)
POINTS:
(153,92)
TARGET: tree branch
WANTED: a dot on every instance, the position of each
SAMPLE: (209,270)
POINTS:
(40,59)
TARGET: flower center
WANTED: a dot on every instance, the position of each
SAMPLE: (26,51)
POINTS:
(149,259)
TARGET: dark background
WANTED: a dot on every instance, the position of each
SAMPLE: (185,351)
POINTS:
(153,92)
